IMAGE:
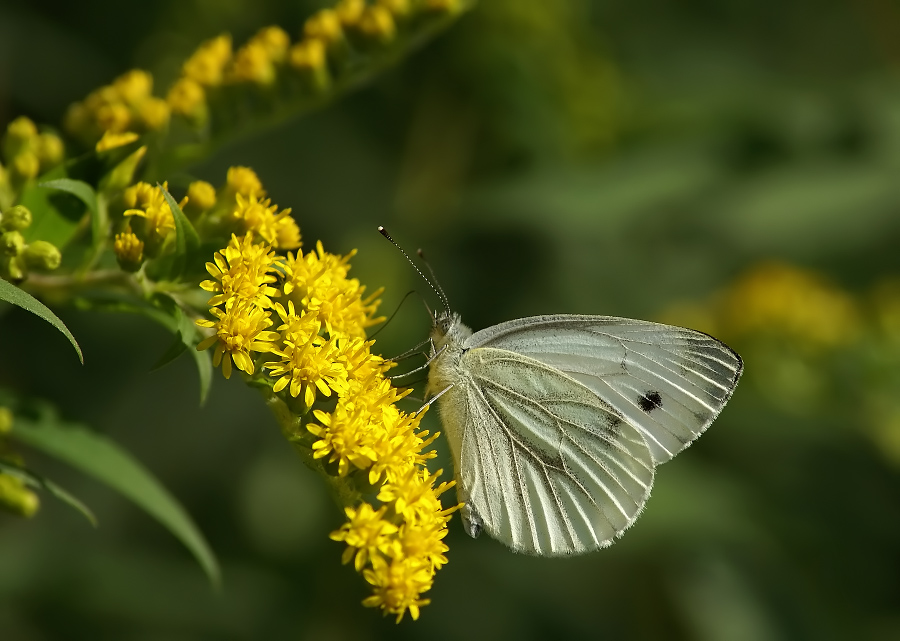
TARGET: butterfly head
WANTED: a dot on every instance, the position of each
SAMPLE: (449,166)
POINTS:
(448,328)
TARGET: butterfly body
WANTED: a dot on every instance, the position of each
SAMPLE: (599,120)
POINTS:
(556,423)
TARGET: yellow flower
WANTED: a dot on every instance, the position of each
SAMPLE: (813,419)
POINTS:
(239,330)
(297,327)
(308,366)
(377,24)
(201,196)
(252,64)
(366,534)
(244,181)
(150,204)
(129,251)
(154,113)
(133,87)
(398,585)
(399,450)
(346,437)
(187,98)
(259,216)
(242,271)
(112,140)
(414,495)
(423,541)
(206,65)
(324,26)
(399,8)
(308,54)
(318,281)
(349,11)
(778,297)
(275,41)
(115,117)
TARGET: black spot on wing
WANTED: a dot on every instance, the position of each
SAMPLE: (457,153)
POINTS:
(650,401)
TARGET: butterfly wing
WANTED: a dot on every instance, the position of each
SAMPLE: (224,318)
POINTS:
(543,464)
(667,381)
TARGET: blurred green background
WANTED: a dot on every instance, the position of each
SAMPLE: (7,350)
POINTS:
(636,159)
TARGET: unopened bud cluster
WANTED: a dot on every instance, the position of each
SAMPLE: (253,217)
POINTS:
(26,153)
(219,85)
(17,256)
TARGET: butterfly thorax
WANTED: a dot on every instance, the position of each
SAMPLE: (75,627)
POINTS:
(448,336)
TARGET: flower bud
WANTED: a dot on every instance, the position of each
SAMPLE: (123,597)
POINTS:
(6,420)
(12,268)
(201,196)
(400,9)
(42,255)
(16,219)
(308,58)
(26,165)
(49,149)
(12,243)
(16,498)
(376,25)
(188,98)
(129,251)
(19,134)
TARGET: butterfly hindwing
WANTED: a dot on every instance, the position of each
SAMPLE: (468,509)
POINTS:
(667,381)
(543,464)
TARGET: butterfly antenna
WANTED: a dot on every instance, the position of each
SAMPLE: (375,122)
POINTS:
(434,280)
(394,313)
(435,288)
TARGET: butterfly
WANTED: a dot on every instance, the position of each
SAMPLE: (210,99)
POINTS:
(556,423)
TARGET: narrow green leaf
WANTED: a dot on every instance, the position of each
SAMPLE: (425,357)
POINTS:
(204,370)
(186,238)
(176,349)
(98,456)
(12,294)
(167,313)
(86,194)
(34,480)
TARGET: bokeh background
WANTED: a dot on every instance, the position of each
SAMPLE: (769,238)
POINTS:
(730,165)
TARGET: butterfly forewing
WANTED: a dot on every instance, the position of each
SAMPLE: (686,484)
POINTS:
(668,382)
(546,465)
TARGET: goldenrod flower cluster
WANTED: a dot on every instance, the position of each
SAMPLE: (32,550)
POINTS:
(152,222)
(296,323)
(126,105)
(26,153)
(782,298)
(215,70)
(776,299)
(238,207)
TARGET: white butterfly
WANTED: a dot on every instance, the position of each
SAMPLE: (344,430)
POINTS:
(556,423)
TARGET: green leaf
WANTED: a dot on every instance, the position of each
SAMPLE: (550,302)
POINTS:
(98,456)
(86,194)
(186,238)
(12,294)
(31,479)
(203,361)
(167,313)
(176,349)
